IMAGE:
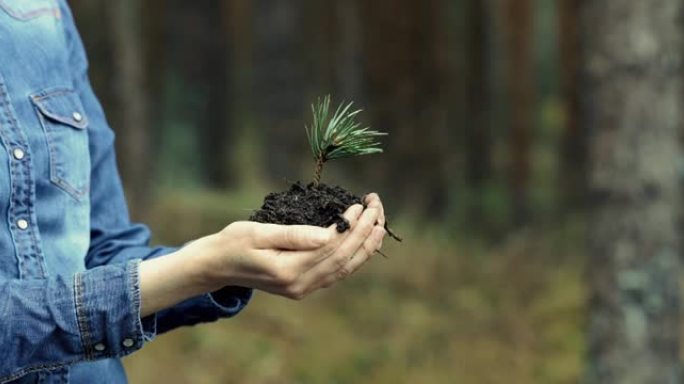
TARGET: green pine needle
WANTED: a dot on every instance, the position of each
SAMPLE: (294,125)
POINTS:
(341,135)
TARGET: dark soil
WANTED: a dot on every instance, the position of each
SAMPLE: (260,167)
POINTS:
(321,205)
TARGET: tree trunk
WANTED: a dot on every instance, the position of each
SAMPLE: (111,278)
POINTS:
(199,54)
(406,67)
(573,152)
(478,150)
(519,21)
(281,84)
(347,51)
(99,47)
(632,102)
(131,98)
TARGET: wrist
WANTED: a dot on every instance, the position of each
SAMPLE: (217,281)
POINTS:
(200,260)
(170,279)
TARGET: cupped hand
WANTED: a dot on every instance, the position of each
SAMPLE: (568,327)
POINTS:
(296,260)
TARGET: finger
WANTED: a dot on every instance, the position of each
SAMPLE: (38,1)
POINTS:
(360,257)
(359,232)
(292,237)
(351,216)
(339,258)
(304,258)
(384,232)
(353,213)
(305,261)
(310,257)
(367,249)
(372,200)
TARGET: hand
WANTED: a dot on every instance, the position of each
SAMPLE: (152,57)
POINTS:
(286,260)
(293,261)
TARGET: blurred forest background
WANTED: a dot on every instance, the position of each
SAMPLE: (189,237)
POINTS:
(485,174)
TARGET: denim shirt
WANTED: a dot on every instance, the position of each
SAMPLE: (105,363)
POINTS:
(69,259)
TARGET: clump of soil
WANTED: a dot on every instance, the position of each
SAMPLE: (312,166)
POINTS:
(320,205)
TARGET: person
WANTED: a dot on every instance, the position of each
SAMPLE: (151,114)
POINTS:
(79,285)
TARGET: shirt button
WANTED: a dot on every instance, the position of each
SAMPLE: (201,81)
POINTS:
(77,117)
(18,153)
(22,224)
(128,343)
(100,347)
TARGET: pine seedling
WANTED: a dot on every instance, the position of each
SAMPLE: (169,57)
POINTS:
(338,136)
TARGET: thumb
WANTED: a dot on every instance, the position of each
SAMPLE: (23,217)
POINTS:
(292,237)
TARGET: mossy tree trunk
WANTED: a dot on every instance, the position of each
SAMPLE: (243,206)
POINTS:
(632,106)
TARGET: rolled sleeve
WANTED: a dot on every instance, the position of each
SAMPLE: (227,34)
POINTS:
(107,303)
(49,323)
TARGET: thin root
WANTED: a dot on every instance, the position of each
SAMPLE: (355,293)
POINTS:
(392,234)
(382,254)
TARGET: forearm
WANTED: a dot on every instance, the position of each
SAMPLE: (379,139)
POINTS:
(168,280)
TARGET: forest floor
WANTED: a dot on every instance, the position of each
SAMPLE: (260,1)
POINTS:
(442,309)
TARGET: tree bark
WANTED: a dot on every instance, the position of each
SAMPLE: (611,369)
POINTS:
(281,84)
(632,100)
(406,65)
(348,71)
(478,150)
(200,55)
(573,182)
(131,97)
(519,23)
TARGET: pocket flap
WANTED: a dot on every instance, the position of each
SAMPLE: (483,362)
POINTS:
(61,105)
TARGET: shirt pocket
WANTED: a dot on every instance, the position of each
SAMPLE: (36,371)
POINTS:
(65,126)
(30,9)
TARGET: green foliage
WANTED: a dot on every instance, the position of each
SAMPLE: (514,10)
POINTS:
(341,135)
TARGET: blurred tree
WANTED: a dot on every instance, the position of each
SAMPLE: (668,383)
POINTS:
(198,49)
(238,24)
(573,151)
(519,22)
(155,52)
(337,42)
(98,43)
(348,43)
(632,84)
(281,83)
(479,140)
(131,97)
(405,65)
